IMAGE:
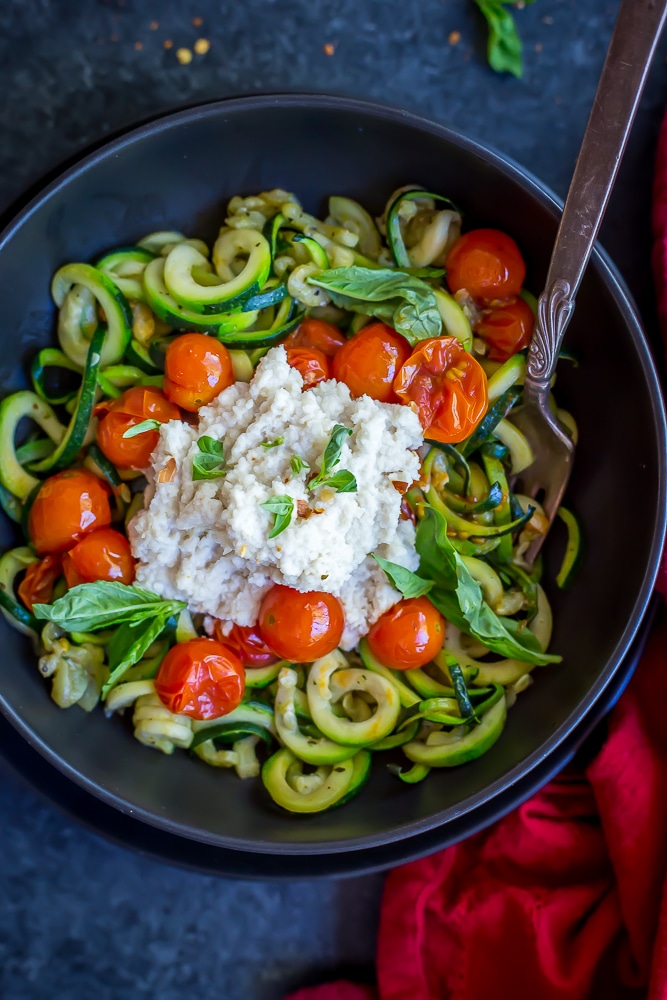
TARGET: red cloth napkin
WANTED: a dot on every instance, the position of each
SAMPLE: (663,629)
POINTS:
(566,897)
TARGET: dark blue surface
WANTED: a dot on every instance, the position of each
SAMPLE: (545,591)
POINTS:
(80,918)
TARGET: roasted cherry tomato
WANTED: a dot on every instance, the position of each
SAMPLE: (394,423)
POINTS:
(368,362)
(200,678)
(408,635)
(246,642)
(196,370)
(448,387)
(36,587)
(300,627)
(67,507)
(487,264)
(506,329)
(324,337)
(313,365)
(104,554)
(135,405)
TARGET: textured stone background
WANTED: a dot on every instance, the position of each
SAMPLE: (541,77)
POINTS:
(80,918)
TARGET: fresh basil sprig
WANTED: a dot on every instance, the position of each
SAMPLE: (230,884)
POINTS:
(142,428)
(406,302)
(343,481)
(406,582)
(297,464)
(273,444)
(210,464)
(129,643)
(458,596)
(504,45)
(282,508)
(92,606)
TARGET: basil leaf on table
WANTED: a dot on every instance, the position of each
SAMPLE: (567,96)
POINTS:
(210,463)
(406,582)
(504,45)
(130,642)
(458,596)
(282,508)
(92,606)
(404,301)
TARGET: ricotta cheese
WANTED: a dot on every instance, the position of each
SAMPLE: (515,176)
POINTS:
(206,542)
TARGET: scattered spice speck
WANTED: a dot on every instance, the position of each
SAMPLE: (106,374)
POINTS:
(558,100)
(538,47)
(520,4)
(184,56)
(114,38)
(154,25)
(454,37)
(547,19)
(201,46)
(329,49)
(168,43)
(138,46)
(197,21)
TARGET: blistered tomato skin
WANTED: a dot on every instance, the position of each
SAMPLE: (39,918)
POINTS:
(369,362)
(196,368)
(200,678)
(67,507)
(300,627)
(408,635)
(246,642)
(487,263)
(39,580)
(312,365)
(135,405)
(447,386)
(104,554)
(506,329)
(316,334)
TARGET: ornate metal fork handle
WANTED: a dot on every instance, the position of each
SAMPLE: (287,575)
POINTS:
(635,36)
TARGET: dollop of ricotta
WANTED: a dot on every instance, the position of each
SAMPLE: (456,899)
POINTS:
(207,542)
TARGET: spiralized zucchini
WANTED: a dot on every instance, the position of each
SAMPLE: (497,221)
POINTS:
(310,730)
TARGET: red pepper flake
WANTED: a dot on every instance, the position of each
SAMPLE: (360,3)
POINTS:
(454,37)
(114,38)
(154,25)
(167,43)
(138,46)
(539,47)
(197,21)
(399,486)
(329,49)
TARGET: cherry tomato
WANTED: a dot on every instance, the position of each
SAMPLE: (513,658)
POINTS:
(324,337)
(104,554)
(300,627)
(487,263)
(507,329)
(408,635)
(368,362)
(246,642)
(448,387)
(36,587)
(135,405)
(68,506)
(313,365)
(200,678)
(196,370)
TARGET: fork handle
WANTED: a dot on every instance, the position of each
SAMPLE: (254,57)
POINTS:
(636,32)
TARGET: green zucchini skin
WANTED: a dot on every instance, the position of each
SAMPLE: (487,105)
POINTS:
(51,357)
(64,454)
(110,298)
(178,316)
(223,296)
(472,745)
(574,550)
(13,409)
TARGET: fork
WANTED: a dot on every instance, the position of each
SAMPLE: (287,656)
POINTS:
(636,32)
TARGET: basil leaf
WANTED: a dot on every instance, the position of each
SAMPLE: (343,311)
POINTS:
(282,508)
(142,428)
(273,444)
(92,606)
(297,464)
(331,458)
(405,581)
(342,481)
(404,301)
(459,597)
(504,45)
(129,643)
(210,463)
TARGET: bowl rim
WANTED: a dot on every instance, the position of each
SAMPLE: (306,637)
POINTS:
(624,302)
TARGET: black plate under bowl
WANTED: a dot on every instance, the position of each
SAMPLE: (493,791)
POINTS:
(178,172)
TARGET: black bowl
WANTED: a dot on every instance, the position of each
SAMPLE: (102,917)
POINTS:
(178,173)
